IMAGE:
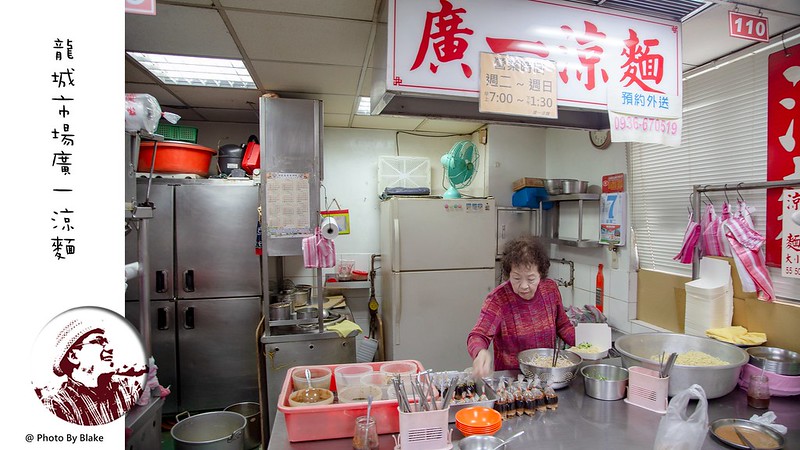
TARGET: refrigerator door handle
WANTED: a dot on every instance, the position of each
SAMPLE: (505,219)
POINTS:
(397,305)
(188,280)
(161,281)
(396,245)
(188,318)
(162,319)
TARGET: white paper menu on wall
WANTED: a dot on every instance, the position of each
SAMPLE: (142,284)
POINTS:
(790,257)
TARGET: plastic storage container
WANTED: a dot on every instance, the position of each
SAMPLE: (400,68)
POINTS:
(350,375)
(175,157)
(320,377)
(313,423)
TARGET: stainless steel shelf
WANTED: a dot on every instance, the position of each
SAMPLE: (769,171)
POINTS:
(347,285)
(572,197)
(583,243)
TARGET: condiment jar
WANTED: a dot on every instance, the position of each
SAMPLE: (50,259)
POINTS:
(758,392)
(365,434)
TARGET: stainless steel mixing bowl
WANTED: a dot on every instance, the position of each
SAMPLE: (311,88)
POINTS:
(558,377)
(717,381)
(604,381)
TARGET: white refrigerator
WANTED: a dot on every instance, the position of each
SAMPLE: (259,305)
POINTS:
(437,265)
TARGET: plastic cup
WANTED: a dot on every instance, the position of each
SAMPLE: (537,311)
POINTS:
(350,375)
(320,378)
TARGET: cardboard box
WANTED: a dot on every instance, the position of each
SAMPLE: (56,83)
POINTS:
(527,182)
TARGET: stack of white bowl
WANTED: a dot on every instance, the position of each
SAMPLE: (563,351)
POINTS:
(709,304)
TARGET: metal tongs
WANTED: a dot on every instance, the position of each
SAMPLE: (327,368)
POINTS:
(744,439)
(555,351)
(666,367)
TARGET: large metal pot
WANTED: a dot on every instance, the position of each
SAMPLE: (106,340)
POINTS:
(252,412)
(217,430)
(717,381)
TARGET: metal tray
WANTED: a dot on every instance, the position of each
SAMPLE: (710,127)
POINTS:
(749,425)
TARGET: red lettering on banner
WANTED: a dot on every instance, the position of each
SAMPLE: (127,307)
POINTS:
(588,55)
(442,31)
(498,45)
(642,65)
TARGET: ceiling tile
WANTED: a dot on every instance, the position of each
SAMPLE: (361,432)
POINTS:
(348,9)
(449,126)
(205,97)
(387,122)
(163,96)
(280,37)
(336,120)
(229,115)
(180,30)
(135,74)
(297,77)
(332,104)
(366,88)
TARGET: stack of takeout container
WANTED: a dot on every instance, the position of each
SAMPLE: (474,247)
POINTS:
(478,420)
(709,299)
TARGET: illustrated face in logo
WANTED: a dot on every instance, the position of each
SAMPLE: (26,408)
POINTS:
(93,354)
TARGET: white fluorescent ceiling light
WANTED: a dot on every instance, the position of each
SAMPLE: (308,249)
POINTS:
(363,106)
(194,71)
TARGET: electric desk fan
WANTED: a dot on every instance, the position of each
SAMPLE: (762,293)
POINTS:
(460,165)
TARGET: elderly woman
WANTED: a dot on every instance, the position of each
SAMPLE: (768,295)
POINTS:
(523,312)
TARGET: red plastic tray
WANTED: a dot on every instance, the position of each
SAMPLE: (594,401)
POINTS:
(312,423)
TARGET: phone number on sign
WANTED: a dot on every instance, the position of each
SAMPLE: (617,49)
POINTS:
(646,124)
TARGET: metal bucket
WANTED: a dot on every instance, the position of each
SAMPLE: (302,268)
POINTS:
(252,432)
(217,430)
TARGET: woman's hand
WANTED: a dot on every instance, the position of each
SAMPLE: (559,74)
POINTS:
(482,364)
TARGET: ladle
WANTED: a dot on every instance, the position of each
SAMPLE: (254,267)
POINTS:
(509,439)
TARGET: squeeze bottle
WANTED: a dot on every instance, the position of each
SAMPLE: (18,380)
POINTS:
(599,288)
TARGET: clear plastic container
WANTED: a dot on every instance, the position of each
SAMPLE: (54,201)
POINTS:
(350,375)
(320,378)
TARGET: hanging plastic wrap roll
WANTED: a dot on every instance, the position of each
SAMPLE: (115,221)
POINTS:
(142,113)
(329,228)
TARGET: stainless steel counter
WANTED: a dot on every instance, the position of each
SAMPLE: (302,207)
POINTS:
(583,422)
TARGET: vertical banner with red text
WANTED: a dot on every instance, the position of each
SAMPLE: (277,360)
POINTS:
(783,153)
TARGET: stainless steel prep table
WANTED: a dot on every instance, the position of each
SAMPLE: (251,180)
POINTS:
(583,422)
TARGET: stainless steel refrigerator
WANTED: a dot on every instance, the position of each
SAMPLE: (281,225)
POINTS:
(205,290)
(437,265)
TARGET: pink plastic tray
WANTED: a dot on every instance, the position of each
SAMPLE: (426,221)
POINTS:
(312,423)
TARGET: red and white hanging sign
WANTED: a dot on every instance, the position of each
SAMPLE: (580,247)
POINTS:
(434,47)
(745,26)
(147,7)
(783,134)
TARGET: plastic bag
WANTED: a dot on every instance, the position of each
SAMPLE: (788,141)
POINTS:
(678,432)
(142,113)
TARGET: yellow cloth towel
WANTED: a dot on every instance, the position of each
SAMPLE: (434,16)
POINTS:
(345,328)
(737,335)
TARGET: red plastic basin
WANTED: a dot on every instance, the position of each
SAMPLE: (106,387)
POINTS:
(175,157)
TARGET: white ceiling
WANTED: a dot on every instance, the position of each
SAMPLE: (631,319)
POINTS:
(323,50)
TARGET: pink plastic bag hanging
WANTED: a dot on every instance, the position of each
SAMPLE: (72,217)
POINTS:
(690,237)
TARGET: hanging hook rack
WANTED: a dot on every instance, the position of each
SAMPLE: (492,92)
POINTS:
(738,185)
(706,196)
(725,191)
(702,189)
